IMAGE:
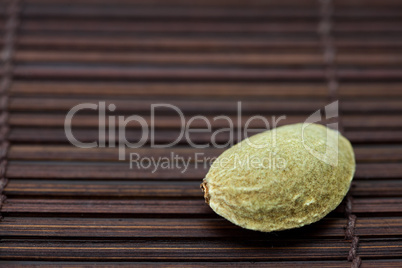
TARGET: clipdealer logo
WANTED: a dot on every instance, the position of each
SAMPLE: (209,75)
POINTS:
(108,136)
(113,130)
(330,156)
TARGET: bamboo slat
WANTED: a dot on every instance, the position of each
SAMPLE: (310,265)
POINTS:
(172,228)
(175,228)
(50,135)
(34,206)
(92,121)
(384,153)
(175,250)
(302,264)
(113,170)
(142,189)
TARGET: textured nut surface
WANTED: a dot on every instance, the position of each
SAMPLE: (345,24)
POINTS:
(273,196)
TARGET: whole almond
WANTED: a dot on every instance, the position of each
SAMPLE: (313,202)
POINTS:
(280,179)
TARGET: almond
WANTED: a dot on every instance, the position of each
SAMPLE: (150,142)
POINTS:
(280,179)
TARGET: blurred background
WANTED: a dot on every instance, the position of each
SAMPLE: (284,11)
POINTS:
(66,204)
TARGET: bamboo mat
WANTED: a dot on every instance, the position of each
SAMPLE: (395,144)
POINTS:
(66,206)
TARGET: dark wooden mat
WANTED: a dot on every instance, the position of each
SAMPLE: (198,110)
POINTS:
(66,206)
